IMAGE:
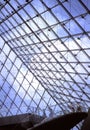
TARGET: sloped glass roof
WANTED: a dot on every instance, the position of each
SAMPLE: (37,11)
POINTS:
(44,56)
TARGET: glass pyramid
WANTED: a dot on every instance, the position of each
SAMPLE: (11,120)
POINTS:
(44,56)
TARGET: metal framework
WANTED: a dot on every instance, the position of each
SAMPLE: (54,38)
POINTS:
(44,56)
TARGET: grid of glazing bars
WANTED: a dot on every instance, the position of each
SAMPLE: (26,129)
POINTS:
(20,92)
(52,39)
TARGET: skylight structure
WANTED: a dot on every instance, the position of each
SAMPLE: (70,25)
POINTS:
(44,56)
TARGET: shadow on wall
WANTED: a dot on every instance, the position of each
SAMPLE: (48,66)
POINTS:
(65,122)
(86,123)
